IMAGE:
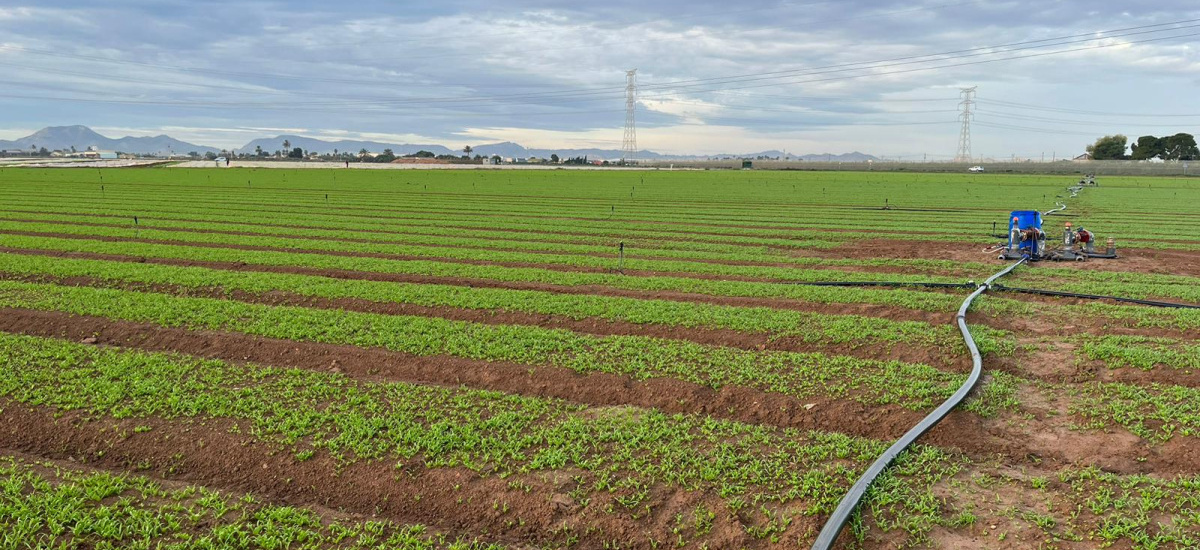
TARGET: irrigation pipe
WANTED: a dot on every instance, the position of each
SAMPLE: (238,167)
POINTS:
(849,503)
(1060,208)
(1062,294)
(884,283)
(1001,288)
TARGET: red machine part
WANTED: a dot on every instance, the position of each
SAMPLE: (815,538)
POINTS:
(1084,235)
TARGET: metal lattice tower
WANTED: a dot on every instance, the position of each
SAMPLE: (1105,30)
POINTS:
(967,101)
(629,144)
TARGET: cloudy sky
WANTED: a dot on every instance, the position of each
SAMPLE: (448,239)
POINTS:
(802,76)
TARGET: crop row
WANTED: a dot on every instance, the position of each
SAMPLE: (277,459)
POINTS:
(597,216)
(621,452)
(925,301)
(1142,352)
(1152,412)
(810,327)
(914,386)
(419,202)
(1128,284)
(641,214)
(494,231)
(1172,408)
(428,236)
(477,252)
(562,231)
(781,233)
(1139,285)
(43,506)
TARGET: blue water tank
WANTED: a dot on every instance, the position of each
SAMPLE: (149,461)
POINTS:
(1024,219)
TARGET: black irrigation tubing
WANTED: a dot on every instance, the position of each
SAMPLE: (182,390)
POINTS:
(899,209)
(1000,287)
(1062,294)
(849,503)
(885,283)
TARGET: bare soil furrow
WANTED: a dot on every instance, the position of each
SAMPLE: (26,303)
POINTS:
(1058,443)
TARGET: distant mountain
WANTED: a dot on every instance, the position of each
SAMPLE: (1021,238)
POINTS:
(82,137)
(508,149)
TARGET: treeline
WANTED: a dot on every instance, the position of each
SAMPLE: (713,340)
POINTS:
(1180,146)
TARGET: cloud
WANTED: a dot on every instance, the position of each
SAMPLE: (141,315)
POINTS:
(714,78)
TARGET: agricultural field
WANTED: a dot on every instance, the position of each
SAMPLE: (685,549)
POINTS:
(278,358)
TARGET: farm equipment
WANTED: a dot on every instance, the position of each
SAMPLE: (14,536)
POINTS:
(1026,239)
(1025,236)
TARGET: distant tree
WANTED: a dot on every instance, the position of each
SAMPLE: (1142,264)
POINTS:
(1180,147)
(467,151)
(554,158)
(335,153)
(1146,148)
(496,159)
(287,145)
(386,156)
(258,152)
(194,154)
(210,156)
(72,148)
(1109,148)
(422,154)
(43,152)
(296,153)
(363,152)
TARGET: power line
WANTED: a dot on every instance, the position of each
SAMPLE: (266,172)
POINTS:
(1109,123)
(778,75)
(444,38)
(1082,112)
(410,101)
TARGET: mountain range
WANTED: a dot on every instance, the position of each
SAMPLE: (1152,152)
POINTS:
(82,137)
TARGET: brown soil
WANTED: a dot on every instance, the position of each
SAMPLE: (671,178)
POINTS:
(52,470)
(874,310)
(374,213)
(452,500)
(1037,324)
(1006,435)
(591,325)
(401,257)
(641,254)
(1057,361)
(1141,260)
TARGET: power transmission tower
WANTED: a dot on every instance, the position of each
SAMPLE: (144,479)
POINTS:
(629,144)
(967,101)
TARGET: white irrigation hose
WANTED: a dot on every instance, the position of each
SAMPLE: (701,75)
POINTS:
(849,503)
(1060,208)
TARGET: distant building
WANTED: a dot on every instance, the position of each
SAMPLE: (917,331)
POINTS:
(419,160)
(1083,157)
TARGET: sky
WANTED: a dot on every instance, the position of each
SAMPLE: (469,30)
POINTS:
(713,77)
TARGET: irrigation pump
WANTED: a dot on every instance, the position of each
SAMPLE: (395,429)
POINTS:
(1026,238)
